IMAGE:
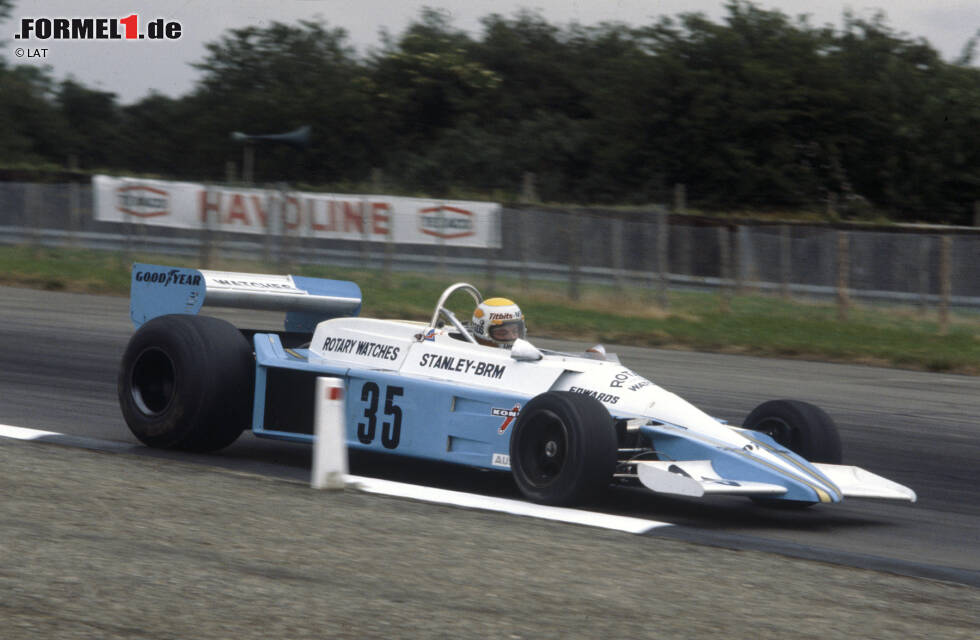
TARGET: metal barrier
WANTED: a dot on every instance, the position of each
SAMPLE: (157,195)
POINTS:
(650,250)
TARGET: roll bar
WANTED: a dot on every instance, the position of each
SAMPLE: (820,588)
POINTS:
(441,309)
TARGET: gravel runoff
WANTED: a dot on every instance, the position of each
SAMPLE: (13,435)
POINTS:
(102,545)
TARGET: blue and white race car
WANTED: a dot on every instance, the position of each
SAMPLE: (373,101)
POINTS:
(566,426)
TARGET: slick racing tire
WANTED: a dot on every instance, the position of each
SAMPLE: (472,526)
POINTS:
(186,382)
(563,449)
(799,426)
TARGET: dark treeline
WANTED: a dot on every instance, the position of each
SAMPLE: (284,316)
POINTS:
(760,111)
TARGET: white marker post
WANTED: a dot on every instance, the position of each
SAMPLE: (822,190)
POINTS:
(330,444)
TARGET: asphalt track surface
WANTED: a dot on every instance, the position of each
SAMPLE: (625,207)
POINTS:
(61,351)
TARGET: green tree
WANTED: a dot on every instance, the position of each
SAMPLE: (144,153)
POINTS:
(277,78)
(32,129)
(92,118)
(429,94)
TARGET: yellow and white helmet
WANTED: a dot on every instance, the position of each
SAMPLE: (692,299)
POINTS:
(498,321)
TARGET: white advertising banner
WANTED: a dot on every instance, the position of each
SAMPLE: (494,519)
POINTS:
(187,205)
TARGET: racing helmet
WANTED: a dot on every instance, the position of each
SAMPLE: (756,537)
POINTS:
(498,321)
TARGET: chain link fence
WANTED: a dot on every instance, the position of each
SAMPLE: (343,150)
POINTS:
(649,249)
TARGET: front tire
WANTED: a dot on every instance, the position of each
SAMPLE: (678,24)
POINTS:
(186,382)
(801,427)
(563,449)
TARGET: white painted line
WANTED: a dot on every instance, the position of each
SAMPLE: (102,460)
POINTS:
(20,433)
(442,496)
(504,505)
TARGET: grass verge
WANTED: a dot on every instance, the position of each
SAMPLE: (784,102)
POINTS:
(755,324)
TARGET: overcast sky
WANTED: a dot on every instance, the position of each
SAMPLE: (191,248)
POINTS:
(133,69)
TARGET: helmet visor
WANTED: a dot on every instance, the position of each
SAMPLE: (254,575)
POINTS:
(507,331)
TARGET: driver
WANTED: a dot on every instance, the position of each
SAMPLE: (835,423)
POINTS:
(498,322)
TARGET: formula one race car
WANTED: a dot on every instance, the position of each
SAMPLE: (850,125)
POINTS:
(566,426)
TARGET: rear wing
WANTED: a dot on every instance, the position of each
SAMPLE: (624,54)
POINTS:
(157,290)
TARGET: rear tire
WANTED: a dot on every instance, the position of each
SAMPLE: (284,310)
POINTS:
(563,449)
(186,382)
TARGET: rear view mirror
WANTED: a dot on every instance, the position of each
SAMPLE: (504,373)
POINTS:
(524,351)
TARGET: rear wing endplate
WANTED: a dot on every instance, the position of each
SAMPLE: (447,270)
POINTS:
(157,290)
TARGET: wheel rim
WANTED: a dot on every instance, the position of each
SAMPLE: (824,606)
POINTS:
(780,431)
(544,448)
(153,381)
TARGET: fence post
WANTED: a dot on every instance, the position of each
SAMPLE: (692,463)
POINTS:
(682,241)
(724,258)
(617,252)
(785,260)
(364,206)
(248,163)
(946,283)
(574,245)
(389,249)
(206,224)
(493,248)
(522,243)
(286,240)
(843,270)
(924,250)
(680,198)
(663,264)
(269,224)
(442,241)
(529,192)
(33,212)
(738,264)
(74,211)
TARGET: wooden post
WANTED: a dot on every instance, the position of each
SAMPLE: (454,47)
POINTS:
(74,212)
(32,206)
(529,192)
(663,264)
(945,283)
(204,248)
(386,273)
(785,260)
(843,270)
(831,205)
(522,243)
(738,264)
(286,240)
(724,259)
(574,244)
(442,241)
(493,249)
(366,234)
(617,252)
(680,198)
(248,163)
(682,242)
(924,250)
